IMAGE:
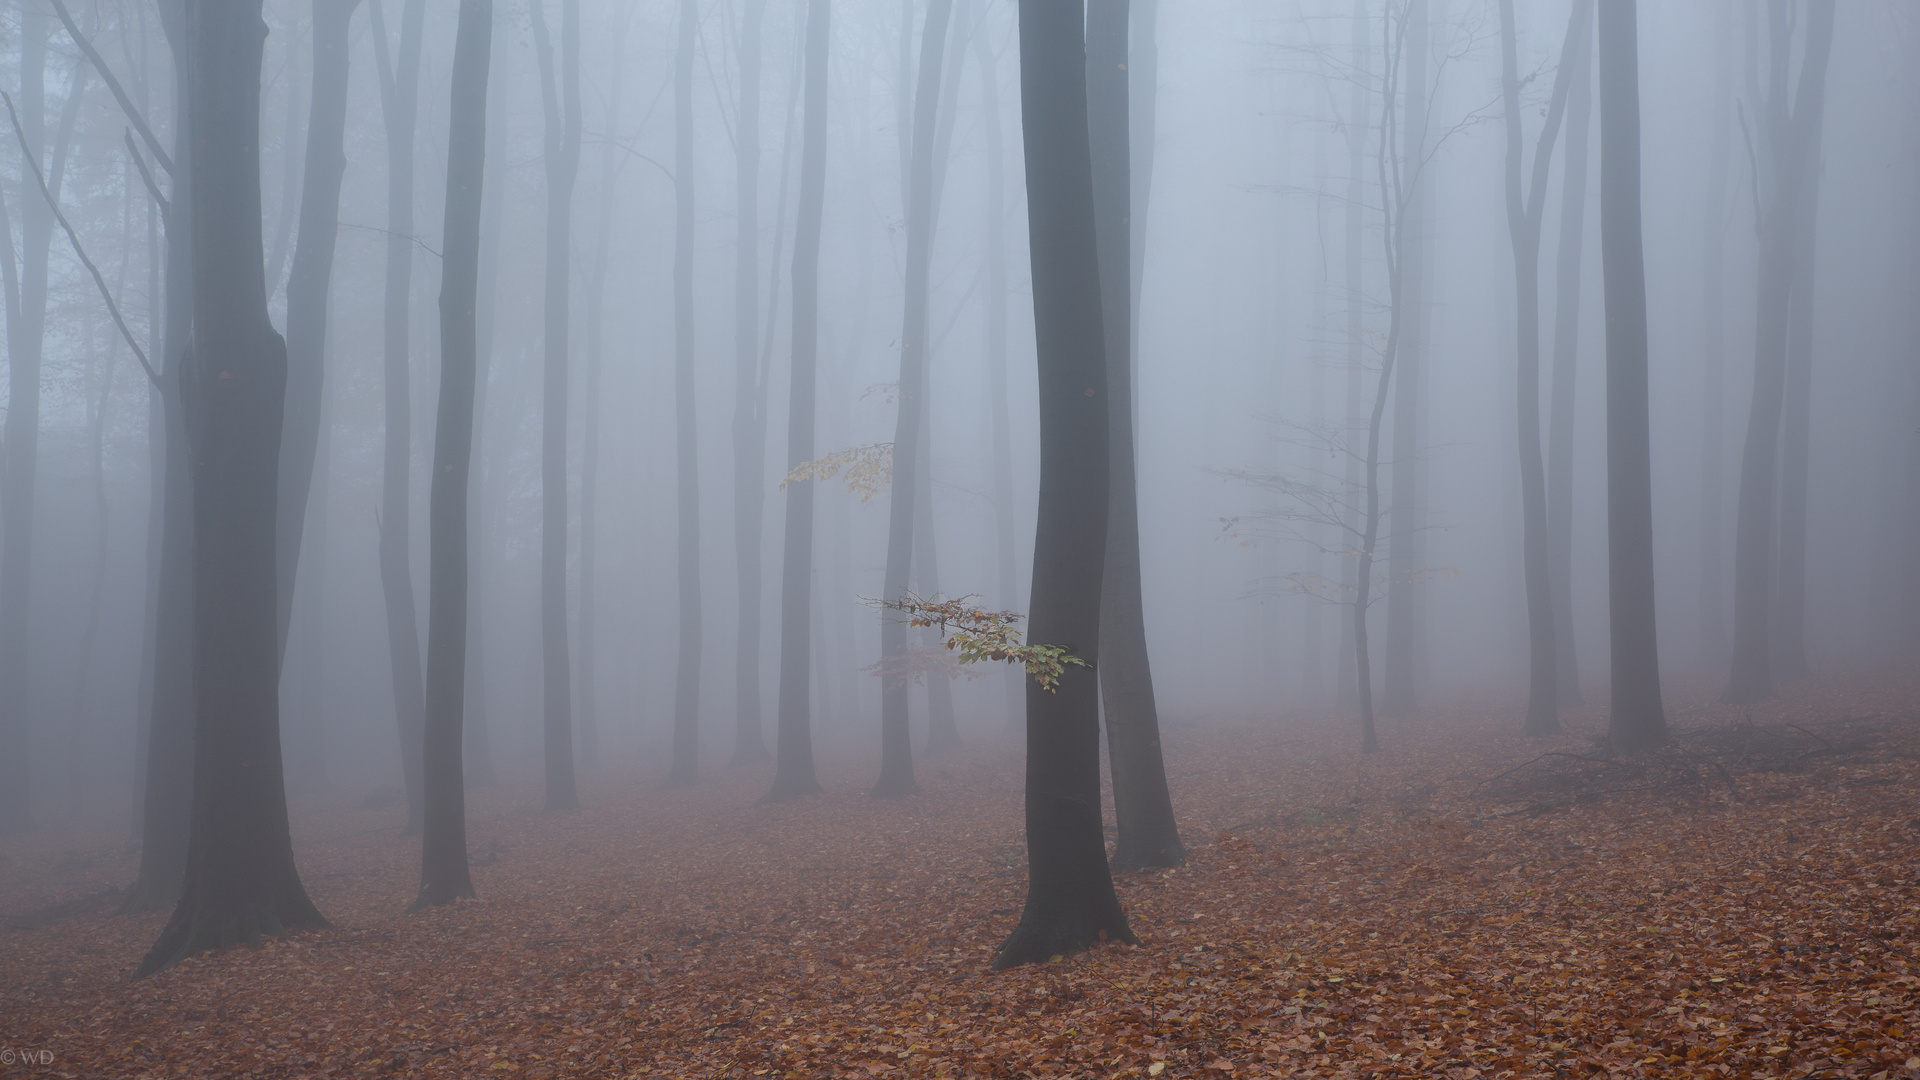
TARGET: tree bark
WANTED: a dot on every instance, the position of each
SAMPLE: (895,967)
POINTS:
(1638,720)
(1791,131)
(1071,905)
(307,288)
(686,689)
(560,93)
(1713,424)
(1566,352)
(444,875)
(241,881)
(1790,643)
(1526,203)
(896,749)
(1143,808)
(793,755)
(749,418)
(1346,683)
(399,99)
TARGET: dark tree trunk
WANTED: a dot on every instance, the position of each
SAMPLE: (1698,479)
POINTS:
(1142,807)
(896,748)
(1346,681)
(1638,721)
(307,288)
(1791,136)
(686,686)
(1790,642)
(399,99)
(1566,351)
(1071,904)
(793,755)
(483,517)
(749,416)
(240,880)
(999,421)
(560,92)
(443,849)
(1399,695)
(1526,203)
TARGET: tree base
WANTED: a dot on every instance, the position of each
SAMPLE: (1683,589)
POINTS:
(894,787)
(752,753)
(1537,728)
(145,897)
(1039,939)
(942,740)
(1154,853)
(200,925)
(787,789)
(436,896)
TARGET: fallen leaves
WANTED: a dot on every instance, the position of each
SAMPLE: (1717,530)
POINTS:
(1350,917)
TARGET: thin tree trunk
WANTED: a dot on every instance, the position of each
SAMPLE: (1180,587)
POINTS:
(686,689)
(1790,644)
(443,850)
(290,167)
(1791,136)
(561,96)
(241,881)
(307,289)
(1713,424)
(749,420)
(1346,695)
(481,771)
(1143,808)
(1566,350)
(1071,904)
(794,772)
(1637,720)
(896,749)
(399,99)
(1398,693)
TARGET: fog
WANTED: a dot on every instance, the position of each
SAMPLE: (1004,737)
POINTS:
(1252,396)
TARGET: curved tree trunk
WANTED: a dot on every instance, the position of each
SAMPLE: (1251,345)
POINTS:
(1071,903)
(1637,718)
(1143,808)
(793,755)
(240,881)
(444,874)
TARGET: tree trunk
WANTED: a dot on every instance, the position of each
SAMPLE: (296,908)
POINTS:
(999,420)
(399,99)
(1399,694)
(749,419)
(1566,351)
(1071,905)
(167,771)
(290,167)
(793,771)
(1346,683)
(561,96)
(1637,720)
(1713,556)
(1143,809)
(1791,133)
(686,687)
(482,509)
(443,850)
(240,880)
(307,288)
(896,749)
(1526,204)
(1790,644)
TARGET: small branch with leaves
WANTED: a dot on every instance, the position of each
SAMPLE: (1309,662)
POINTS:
(869,469)
(977,634)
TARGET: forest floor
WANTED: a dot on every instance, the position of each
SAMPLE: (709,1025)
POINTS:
(1466,903)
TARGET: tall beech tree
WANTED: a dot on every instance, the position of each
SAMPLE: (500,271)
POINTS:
(1143,808)
(1796,443)
(307,288)
(560,97)
(400,105)
(1637,720)
(1071,904)
(896,748)
(240,880)
(749,404)
(686,683)
(1568,254)
(1526,203)
(1791,128)
(443,842)
(793,751)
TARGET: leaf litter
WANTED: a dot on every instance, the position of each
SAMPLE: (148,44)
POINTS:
(1469,903)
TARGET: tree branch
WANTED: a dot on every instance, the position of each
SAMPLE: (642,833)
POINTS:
(113,84)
